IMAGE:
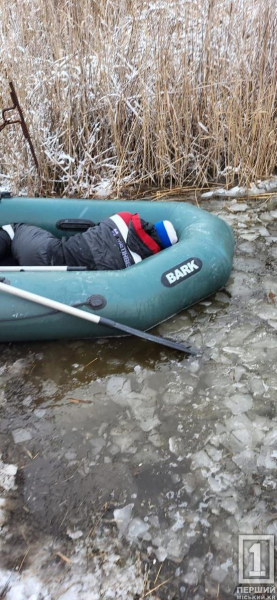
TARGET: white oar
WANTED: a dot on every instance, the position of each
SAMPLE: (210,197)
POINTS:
(76,312)
(42,269)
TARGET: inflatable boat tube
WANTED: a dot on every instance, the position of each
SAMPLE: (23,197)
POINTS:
(141,296)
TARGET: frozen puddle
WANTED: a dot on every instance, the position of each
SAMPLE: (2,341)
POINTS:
(141,458)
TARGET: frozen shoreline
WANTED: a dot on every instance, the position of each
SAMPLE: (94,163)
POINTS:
(184,451)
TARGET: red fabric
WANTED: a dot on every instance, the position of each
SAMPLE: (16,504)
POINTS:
(126,216)
(146,239)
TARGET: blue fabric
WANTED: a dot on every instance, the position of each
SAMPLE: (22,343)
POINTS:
(162,233)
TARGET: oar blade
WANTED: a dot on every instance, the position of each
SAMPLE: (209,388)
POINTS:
(186,348)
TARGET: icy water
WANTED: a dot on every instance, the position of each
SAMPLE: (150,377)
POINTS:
(127,467)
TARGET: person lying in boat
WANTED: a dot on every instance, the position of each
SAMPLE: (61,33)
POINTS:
(115,243)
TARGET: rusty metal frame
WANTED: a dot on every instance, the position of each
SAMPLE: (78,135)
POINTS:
(21,120)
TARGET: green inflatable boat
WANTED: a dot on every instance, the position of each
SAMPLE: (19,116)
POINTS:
(141,296)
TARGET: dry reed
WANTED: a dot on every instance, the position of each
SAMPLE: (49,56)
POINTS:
(164,93)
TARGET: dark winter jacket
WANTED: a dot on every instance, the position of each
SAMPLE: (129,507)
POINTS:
(115,243)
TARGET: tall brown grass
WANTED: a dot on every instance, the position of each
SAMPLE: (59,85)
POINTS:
(145,94)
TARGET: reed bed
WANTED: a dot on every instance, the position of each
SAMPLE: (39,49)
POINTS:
(126,95)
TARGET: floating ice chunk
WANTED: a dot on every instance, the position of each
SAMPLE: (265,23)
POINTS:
(75,535)
(123,438)
(21,435)
(194,366)
(215,455)
(257,386)
(189,483)
(268,312)
(239,403)
(239,372)
(269,185)
(119,388)
(240,286)
(179,522)
(18,366)
(115,385)
(149,424)
(270,438)
(230,505)
(194,571)
(243,436)
(172,545)
(248,264)
(3,517)
(247,247)
(176,548)
(267,458)
(250,236)
(269,483)
(263,231)
(7,475)
(25,587)
(207,195)
(272,528)
(221,482)
(218,574)
(201,459)
(122,517)
(237,206)
(70,455)
(222,297)
(136,529)
(175,445)
(27,401)
(102,428)
(49,388)
(145,415)
(3,399)
(245,460)
(156,439)
(98,444)
(255,518)
(39,412)
(243,430)
(161,554)
(235,192)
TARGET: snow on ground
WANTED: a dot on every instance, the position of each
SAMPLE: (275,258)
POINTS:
(262,187)
(4,183)
(144,458)
(51,577)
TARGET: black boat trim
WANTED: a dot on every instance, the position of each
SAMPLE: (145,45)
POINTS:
(74,224)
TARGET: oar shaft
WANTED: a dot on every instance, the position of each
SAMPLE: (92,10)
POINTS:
(18,269)
(69,310)
(76,312)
